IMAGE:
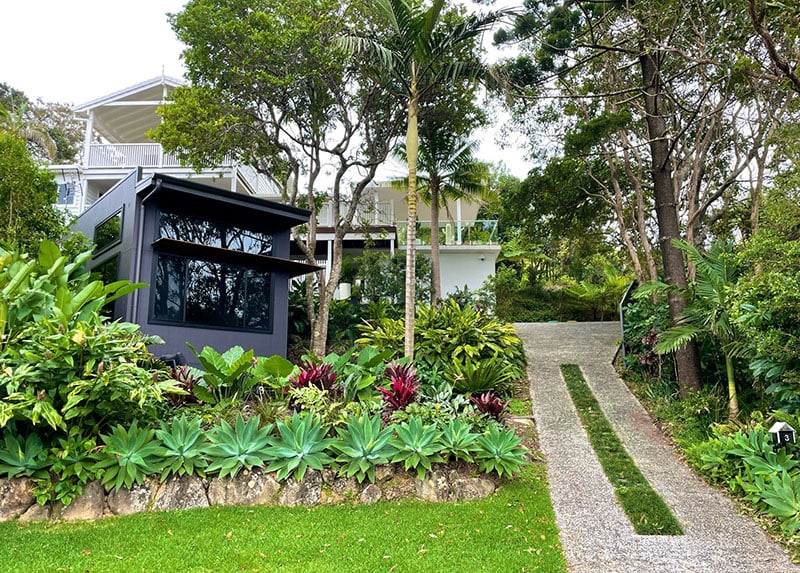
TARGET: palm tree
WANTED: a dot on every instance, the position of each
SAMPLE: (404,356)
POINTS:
(16,120)
(418,53)
(447,170)
(707,311)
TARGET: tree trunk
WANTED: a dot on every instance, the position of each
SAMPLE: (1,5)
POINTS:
(436,266)
(412,149)
(687,360)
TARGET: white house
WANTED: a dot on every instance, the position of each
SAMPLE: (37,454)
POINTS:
(116,142)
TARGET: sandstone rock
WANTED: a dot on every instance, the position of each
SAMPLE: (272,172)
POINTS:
(469,488)
(182,492)
(306,492)
(329,476)
(384,472)
(15,498)
(371,494)
(346,487)
(128,501)
(434,487)
(246,488)
(89,505)
(36,512)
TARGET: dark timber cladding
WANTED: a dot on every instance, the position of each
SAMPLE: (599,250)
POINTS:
(216,263)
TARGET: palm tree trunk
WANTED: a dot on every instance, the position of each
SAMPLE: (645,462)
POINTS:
(412,149)
(733,400)
(436,266)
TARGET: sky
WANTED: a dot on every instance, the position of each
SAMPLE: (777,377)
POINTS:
(75,51)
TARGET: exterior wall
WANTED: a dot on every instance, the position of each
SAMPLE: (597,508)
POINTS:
(466,266)
(138,234)
(469,211)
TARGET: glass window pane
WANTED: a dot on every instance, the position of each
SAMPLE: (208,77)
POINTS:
(213,234)
(169,288)
(109,232)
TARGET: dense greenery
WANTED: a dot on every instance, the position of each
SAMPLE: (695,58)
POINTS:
(82,399)
(509,531)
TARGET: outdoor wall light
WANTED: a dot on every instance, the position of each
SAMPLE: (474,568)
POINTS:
(782,434)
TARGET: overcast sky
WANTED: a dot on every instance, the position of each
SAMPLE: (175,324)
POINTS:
(74,51)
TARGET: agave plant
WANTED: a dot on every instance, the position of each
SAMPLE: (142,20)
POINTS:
(23,457)
(500,451)
(458,440)
(490,404)
(242,445)
(300,445)
(417,446)
(362,445)
(403,386)
(183,447)
(129,456)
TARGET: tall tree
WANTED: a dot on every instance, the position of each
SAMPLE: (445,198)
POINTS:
(271,87)
(690,95)
(419,54)
(27,197)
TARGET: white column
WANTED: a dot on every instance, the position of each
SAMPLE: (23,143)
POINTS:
(87,138)
(458,221)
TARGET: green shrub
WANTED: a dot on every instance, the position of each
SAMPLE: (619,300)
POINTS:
(72,465)
(129,456)
(232,448)
(499,451)
(300,444)
(361,446)
(61,362)
(458,440)
(183,442)
(451,332)
(226,376)
(417,446)
(472,376)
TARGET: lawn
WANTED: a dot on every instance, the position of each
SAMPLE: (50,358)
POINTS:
(512,530)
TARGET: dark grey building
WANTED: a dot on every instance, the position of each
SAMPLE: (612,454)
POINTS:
(217,263)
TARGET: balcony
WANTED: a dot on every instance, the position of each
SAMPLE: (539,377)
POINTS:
(129,155)
(476,232)
(369,214)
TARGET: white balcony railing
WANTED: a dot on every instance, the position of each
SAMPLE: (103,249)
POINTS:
(134,155)
(380,213)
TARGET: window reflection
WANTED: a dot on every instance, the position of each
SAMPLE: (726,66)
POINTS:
(210,293)
(109,232)
(214,234)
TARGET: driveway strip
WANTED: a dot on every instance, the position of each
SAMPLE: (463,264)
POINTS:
(596,535)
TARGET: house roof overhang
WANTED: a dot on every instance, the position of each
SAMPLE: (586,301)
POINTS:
(184,248)
(180,193)
(126,116)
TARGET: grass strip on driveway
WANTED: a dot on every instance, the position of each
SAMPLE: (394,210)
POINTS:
(647,512)
(511,530)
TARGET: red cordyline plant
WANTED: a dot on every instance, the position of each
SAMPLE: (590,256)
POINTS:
(316,374)
(403,386)
(490,404)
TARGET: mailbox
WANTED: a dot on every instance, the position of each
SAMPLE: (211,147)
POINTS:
(782,434)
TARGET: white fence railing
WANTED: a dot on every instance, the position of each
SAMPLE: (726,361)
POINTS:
(379,213)
(134,155)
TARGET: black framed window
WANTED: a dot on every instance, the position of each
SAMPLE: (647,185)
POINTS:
(210,293)
(213,234)
(108,233)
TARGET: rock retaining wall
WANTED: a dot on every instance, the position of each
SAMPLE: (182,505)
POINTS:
(254,487)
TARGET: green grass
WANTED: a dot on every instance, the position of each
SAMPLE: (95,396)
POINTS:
(512,530)
(648,513)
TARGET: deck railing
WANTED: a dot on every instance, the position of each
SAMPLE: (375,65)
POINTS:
(474,232)
(380,213)
(133,155)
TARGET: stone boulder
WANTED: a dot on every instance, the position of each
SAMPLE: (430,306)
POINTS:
(181,492)
(246,488)
(15,498)
(129,501)
(307,491)
(464,488)
(36,512)
(89,505)
(371,494)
